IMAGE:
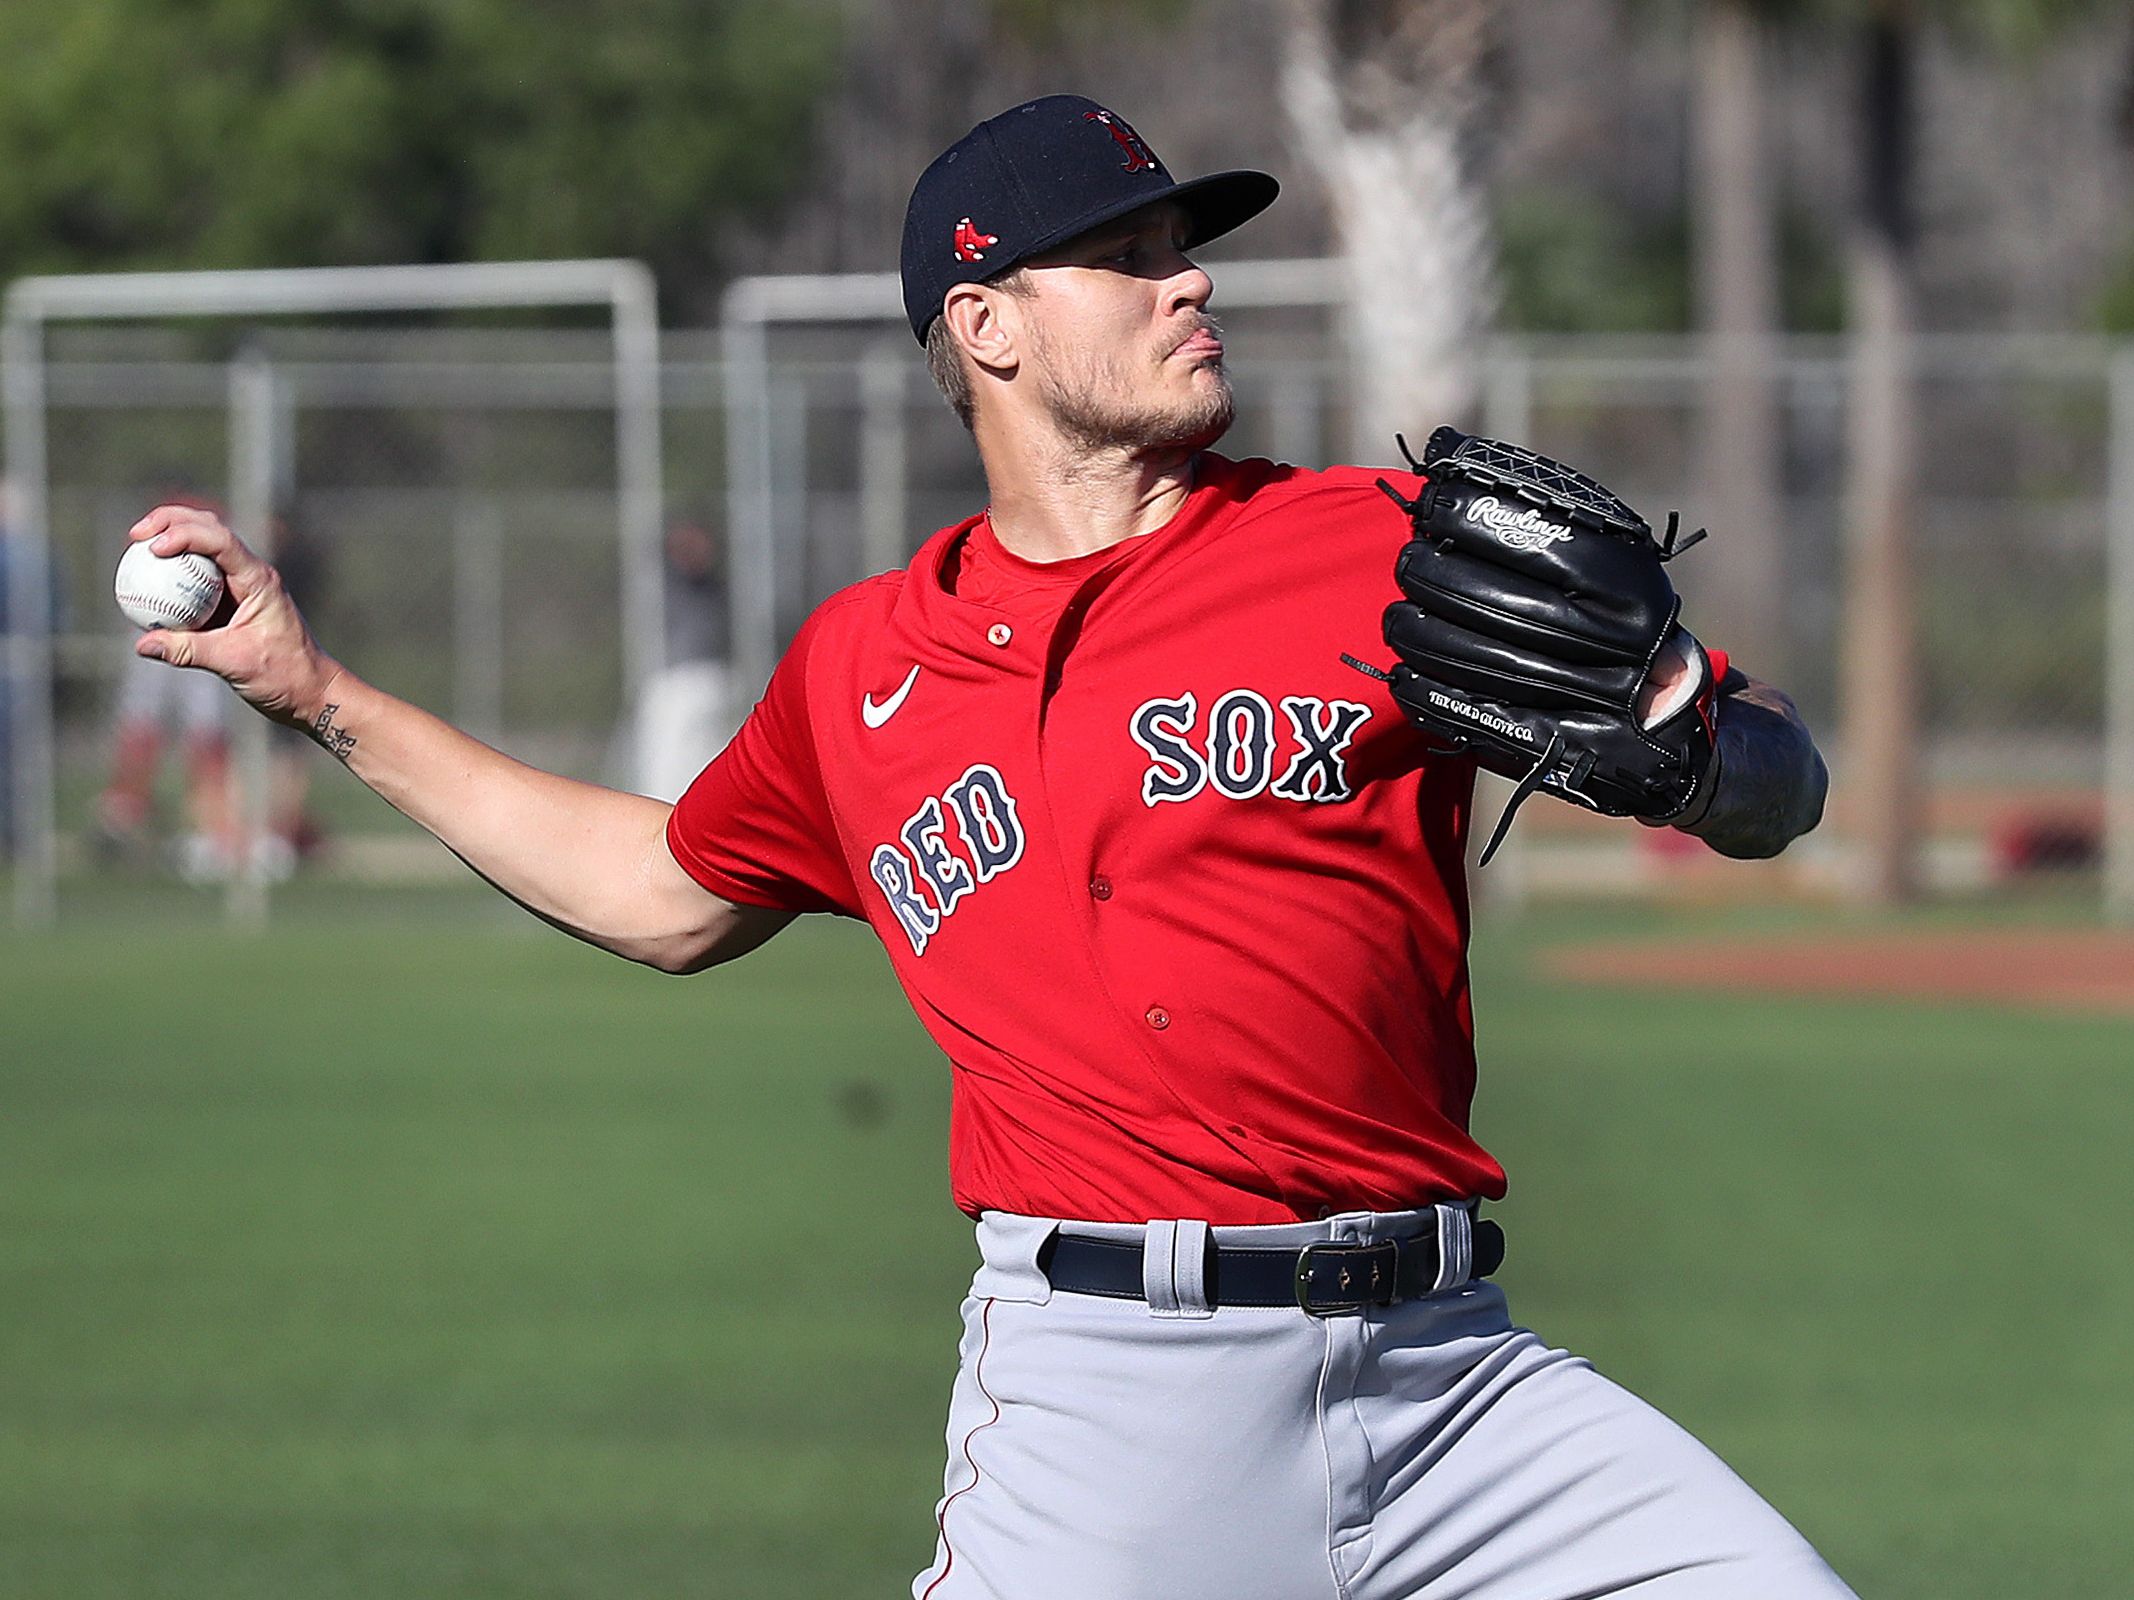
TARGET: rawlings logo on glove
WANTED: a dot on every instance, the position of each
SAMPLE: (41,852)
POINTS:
(1536,607)
(1522,530)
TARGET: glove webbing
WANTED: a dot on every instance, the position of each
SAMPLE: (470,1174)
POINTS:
(1536,478)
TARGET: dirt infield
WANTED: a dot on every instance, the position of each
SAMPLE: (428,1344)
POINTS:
(2070,969)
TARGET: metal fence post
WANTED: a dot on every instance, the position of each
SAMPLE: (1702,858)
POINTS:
(254,409)
(640,475)
(2119,646)
(478,618)
(885,513)
(792,518)
(751,548)
(28,625)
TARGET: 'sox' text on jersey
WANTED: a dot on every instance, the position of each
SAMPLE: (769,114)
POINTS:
(1241,750)
(924,876)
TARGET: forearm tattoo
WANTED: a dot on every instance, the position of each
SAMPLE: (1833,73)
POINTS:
(337,740)
(1771,779)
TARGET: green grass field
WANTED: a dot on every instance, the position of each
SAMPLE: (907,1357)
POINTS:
(415,1251)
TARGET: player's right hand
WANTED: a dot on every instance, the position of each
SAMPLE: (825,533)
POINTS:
(258,645)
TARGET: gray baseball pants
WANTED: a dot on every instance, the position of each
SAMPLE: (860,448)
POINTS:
(1113,1450)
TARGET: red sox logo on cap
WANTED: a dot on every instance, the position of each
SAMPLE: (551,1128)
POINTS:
(970,243)
(1040,174)
(1139,157)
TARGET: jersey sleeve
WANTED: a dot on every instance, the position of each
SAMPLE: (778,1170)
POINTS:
(755,827)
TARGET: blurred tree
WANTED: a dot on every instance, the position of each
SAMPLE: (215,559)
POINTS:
(1569,261)
(1736,272)
(1738,309)
(2115,306)
(227,133)
(1385,100)
(1881,684)
(915,75)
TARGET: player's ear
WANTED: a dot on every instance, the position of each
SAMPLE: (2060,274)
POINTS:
(983,326)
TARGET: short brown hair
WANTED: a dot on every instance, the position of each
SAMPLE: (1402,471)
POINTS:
(944,361)
(944,358)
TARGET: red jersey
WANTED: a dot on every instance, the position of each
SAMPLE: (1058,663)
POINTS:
(1180,895)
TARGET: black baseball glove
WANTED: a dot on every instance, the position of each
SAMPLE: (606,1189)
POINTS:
(1537,606)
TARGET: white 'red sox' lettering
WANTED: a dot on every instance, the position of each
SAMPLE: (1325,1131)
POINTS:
(921,877)
(1236,752)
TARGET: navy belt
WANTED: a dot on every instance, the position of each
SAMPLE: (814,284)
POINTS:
(1322,1279)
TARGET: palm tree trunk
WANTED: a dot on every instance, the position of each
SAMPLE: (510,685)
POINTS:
(1736,268)
(1382,99)
(1880,665)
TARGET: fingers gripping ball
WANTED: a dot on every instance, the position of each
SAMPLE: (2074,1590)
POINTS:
(1535,609)
(180,591)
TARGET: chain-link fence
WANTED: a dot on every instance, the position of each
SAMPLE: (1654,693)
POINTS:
(458,492)
(445,508)
(2011,542)
(2011,561)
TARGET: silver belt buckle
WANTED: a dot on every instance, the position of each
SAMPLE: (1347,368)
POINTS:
(1333,1278)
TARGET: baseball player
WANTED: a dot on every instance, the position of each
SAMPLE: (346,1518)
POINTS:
(1181,897)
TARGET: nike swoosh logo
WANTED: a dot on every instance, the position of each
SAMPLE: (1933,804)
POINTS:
(875,715)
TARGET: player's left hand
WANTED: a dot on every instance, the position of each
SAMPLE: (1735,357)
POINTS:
(1539,634)
(257,641)
(1680,673)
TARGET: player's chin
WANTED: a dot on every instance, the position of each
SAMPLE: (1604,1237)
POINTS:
(1207,415)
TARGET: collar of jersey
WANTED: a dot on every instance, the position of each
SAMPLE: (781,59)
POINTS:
(983,544)
(978,533)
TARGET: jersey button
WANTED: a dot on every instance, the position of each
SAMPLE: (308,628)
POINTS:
(1100,887)
(1158,1018)
(999,634)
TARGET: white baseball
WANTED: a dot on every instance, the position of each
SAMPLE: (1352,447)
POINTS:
(180,591)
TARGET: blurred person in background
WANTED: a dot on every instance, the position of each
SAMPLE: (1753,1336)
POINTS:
(152,709)
(689,709)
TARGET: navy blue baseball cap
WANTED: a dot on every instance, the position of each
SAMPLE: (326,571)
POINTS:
(1034,177)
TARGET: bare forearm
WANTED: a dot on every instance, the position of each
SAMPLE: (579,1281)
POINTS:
(592,861)
(589,860)
(1771,780)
